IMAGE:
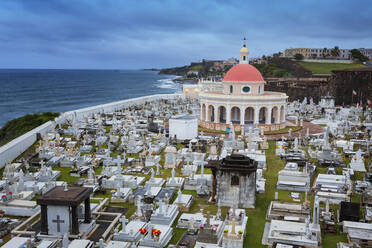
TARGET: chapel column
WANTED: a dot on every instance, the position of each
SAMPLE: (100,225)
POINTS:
(44,219)
(284,112)
(207,113)
(256,115)
(228,114)
(74,221)
(88,216)
(278,115)
(242,115)
(216,117)
(268,119)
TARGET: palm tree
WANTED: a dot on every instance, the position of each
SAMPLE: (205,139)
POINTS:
(335,52)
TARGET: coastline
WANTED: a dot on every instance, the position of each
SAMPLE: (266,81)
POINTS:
(183,80)
(17,146)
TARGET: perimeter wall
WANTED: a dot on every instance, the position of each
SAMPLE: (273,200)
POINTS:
(16,147)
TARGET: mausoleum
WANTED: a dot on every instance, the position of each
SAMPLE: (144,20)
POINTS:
(241,99)
(59,211)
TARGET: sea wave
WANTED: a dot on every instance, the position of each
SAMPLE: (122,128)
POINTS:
(167,83)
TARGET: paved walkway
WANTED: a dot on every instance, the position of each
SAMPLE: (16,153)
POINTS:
(313,129)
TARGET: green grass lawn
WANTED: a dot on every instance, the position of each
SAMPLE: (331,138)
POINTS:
(326,68)
(284,130)
(257,217)
(65,175)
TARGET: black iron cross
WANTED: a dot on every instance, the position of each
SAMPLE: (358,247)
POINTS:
(58,221)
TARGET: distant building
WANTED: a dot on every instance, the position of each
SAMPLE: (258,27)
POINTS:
(293,51)
(366,52)
(319,53)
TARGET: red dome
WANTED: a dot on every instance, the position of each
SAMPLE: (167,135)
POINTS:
(243,73)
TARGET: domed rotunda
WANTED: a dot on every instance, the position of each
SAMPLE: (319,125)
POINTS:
(240,99)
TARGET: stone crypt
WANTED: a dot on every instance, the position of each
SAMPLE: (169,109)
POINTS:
(240,99)
(234,181)
(60,211)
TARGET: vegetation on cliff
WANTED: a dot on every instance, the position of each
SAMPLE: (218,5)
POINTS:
(271,70)
(19,126)
(327,68)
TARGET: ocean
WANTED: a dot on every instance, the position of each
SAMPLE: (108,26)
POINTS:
(26,91)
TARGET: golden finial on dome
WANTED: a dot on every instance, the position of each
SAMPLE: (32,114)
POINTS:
(244,48)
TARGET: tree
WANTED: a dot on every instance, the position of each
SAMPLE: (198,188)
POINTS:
(325,52)
(298,56)
(314,55)
(335,52)
(357,55)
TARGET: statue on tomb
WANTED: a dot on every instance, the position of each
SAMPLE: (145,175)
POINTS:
(179,196)
(296,144)
(157,169)
(152,173)
(173,174)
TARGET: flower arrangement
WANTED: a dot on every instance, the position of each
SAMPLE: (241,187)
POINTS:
(240,232)
(225,231)
(143,231)
(156,232)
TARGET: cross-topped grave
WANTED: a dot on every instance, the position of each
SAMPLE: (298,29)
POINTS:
(59,209)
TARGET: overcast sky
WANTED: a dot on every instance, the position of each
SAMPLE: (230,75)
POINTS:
(144,34)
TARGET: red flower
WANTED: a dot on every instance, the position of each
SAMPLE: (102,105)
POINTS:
(156,232)
(10,193)
(143,230)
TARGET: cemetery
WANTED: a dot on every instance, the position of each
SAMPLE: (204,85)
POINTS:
(142,173)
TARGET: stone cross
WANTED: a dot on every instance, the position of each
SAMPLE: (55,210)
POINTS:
(58,221)
(123,223)
(161,207)
(233,224)
(139,213)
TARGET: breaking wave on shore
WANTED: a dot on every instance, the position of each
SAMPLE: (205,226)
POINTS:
(168,83)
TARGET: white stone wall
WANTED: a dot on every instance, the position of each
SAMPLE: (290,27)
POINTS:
(16,147)
(183,129)
(110,107)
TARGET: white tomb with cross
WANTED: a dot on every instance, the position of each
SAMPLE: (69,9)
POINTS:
(165,214)
(150,240)
(175,182)
(357,162)
(155,181)
(117,244)
(130,231)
